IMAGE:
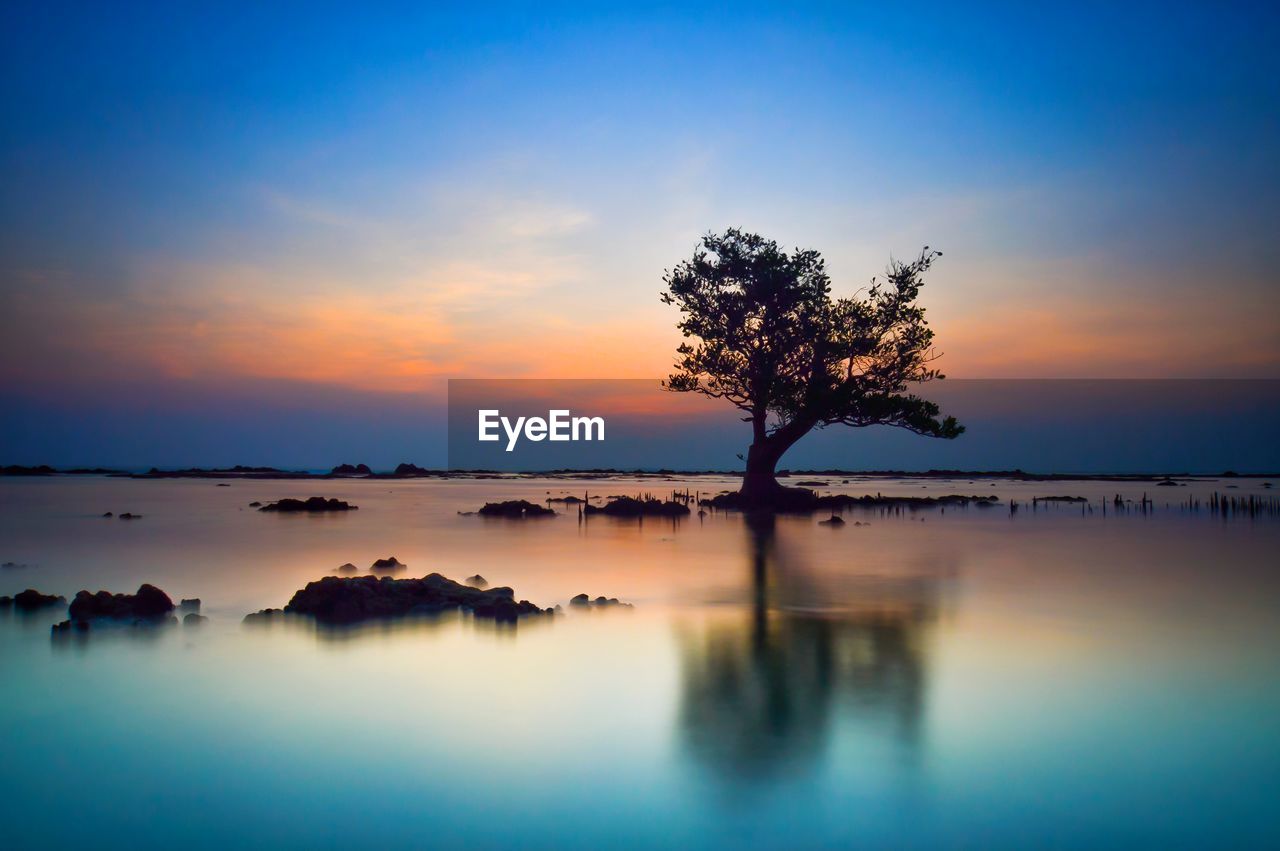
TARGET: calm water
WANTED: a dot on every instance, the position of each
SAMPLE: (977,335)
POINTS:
(960,679)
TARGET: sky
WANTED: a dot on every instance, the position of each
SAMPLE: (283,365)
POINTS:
(248,234)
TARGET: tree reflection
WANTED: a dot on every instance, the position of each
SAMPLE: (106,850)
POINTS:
(760,698)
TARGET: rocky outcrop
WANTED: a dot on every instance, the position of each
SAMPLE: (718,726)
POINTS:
(31,600)
(626,506)
(312,505)
(148,604)
(477,581)
(347,568)
(351,470)
(515,509)
(582,601)
(802,501)
(388,563)
(407,469)
(193,619)
(336,600)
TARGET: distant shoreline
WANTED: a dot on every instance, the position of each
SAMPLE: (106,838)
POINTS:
(410,471)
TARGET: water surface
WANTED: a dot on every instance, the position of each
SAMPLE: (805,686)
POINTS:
(969,678)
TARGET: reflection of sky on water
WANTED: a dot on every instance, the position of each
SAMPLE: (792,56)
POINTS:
(1045,679)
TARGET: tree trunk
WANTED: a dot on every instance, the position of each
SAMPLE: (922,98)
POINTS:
(760,487)
(760,482)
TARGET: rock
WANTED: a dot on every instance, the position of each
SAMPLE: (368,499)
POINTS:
(625,506)
(407,469)
(6,602)
(312,505)
(193,619)
(191,604)
(515,509)
(149,604)
(477,581)
(349,470)
(68,626)
(802,501)
(128,516)
(583,601)
(388,563)
(31,600)
(813,484)
(337,600)
(568,500)
(347,568)
(222,485)
(263,617)
(13,565)
(255,504)
(833,520)
(107,514)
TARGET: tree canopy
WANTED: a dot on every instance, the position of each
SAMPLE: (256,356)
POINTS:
(765,334)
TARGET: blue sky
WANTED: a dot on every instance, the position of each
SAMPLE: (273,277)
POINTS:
(331,201)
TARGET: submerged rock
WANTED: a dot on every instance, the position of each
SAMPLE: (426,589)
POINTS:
(31,600)
(833,520)
(313,504)
(515,508)
(804,501)
(584,601)
(149,604)
(338,600)
(193,619)
(626,506)
(388,563)
(129,516)
(264,616)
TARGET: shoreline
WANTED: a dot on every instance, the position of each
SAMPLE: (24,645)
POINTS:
(409,471)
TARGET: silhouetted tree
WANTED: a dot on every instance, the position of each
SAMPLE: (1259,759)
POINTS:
(768,337)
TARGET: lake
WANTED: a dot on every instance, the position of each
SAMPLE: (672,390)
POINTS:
(962,678)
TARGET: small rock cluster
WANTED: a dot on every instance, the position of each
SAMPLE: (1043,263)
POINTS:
(312,505)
